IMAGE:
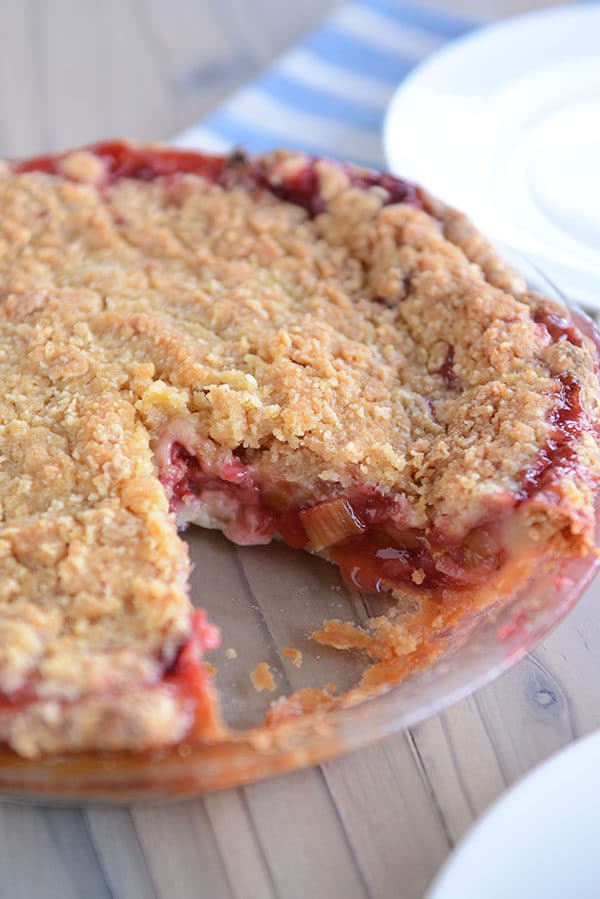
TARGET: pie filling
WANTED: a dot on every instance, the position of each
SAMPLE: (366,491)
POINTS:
(187,675)
(362,530)
(300,187)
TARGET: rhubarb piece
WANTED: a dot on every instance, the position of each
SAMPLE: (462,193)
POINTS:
(330,522)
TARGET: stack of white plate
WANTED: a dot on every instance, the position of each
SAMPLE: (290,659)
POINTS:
(505,124)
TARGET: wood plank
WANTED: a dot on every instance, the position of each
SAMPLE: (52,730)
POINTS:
(120,852)
(303,838)
(386,802)
(474,750)
(23,122)
(181,852)
(572,656)
(136,97)
(39,858)
(70,61)
(461,764)
(239,844)
(264,31)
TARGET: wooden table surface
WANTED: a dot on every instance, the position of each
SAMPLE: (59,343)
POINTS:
(375,824)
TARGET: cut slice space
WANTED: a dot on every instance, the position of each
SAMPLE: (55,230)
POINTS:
(281,348)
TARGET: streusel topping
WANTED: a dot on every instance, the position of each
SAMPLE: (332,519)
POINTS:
(360,343)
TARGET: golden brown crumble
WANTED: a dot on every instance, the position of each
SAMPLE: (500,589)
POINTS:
(262,678)
(294,655)
(315,348)
(418,576)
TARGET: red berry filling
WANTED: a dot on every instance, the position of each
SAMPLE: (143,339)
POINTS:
(558,457)
(302,188)
(559,328)
(364,532)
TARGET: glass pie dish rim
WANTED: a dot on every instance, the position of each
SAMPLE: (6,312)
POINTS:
(507,637)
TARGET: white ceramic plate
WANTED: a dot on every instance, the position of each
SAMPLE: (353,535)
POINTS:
(540,841)
(505,124)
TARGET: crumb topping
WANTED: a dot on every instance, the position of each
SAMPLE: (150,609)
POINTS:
(294,655)
(262,678)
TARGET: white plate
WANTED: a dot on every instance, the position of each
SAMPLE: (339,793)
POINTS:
(505,124)
(540,841)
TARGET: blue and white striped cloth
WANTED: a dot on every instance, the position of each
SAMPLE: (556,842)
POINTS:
(328,96)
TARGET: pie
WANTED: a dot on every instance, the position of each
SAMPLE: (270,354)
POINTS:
(280,347)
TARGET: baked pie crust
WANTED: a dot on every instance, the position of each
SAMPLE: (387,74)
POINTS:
(279,347)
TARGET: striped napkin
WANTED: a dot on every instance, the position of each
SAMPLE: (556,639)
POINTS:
(328,95)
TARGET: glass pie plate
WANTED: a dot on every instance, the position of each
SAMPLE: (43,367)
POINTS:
(268,598)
